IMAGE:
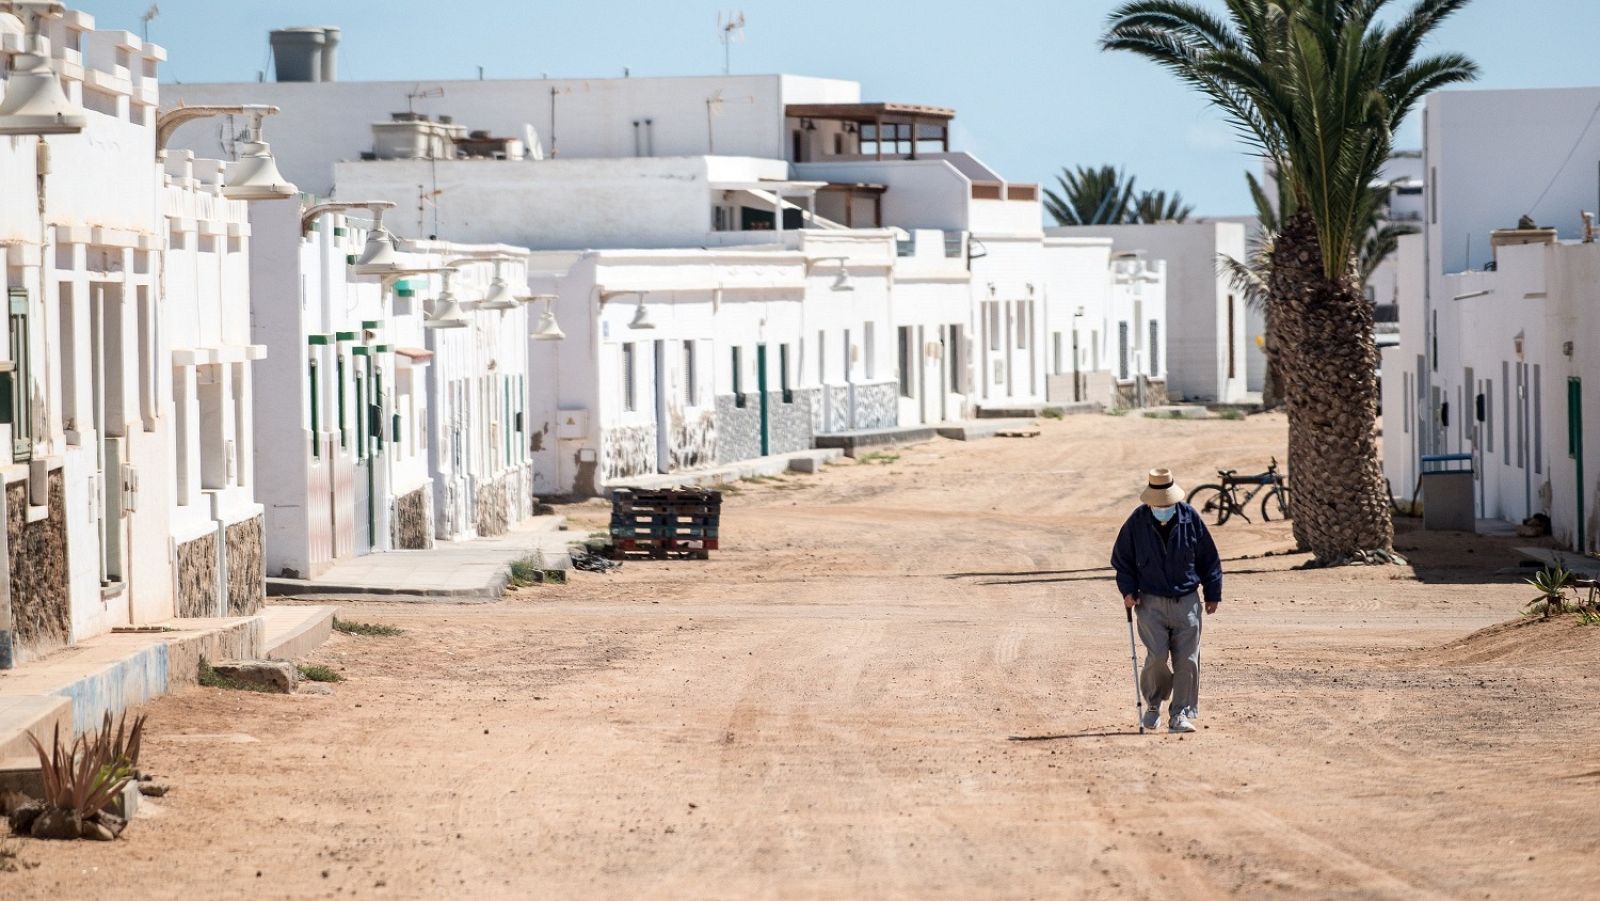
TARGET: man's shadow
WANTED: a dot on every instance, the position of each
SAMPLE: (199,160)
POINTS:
(1110,733)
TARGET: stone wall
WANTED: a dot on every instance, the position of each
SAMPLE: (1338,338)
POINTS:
(738,428)
(413,521)
(247,567)
(790,426)
(1125,395)
(41,602)
(628,451)
(693,442)
(197,577)
(878,406)
(493,505)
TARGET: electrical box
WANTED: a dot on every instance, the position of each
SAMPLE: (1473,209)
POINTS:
(572,424)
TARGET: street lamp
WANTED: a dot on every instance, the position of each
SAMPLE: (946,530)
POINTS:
(446,310)
(255,175)
(34,102)
(547,330)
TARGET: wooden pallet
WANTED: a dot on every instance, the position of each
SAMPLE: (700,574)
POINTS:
(676,523)
(662,549)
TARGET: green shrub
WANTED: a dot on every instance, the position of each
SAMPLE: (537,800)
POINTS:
(316,672)
(371,630)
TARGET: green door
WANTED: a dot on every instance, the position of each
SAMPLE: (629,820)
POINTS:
(761,390)
(1575,449)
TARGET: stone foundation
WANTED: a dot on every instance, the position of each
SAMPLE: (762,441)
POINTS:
(1125,395)
(197,577)
(495,506)
(413,521)
(877,406)
(247,567)
(628,451)
(693,440)
(41,602)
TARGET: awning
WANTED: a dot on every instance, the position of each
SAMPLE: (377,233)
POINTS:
(413,356)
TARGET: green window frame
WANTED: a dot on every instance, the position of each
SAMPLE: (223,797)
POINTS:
(316,407)
(344,438)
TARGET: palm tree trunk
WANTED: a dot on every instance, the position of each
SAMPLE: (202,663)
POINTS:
(1328,361)
(1271,384)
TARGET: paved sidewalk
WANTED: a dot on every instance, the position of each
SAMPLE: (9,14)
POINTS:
(464,571)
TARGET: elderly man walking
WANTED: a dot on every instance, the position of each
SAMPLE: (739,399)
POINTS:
(1164,558)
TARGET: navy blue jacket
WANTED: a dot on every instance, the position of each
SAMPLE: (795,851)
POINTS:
(1186,560)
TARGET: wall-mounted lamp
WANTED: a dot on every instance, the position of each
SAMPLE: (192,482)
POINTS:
(34,102)
(547,329)
(446,310)
(255,175)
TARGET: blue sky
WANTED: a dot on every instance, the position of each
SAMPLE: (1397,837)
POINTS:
(1031,91)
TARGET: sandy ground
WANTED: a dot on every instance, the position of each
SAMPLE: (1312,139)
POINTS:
(902,678)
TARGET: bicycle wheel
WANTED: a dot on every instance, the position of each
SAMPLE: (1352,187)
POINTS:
(1276,504)
(1210,502)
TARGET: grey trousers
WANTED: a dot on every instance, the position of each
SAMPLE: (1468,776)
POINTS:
(1170,630)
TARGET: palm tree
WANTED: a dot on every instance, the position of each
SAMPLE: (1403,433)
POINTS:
(1153,207)
(1251,275)
(1088,196)
(1318,87)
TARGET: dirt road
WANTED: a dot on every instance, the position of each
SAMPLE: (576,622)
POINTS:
(903,678)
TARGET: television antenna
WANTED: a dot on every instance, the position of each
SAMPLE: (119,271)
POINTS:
(417,92)
(730,30)
(149,14)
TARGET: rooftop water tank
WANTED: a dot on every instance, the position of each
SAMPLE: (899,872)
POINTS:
(306,53)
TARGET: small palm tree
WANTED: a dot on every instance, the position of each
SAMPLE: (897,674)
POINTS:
(1102,196)
(1318,87)
(1153,207)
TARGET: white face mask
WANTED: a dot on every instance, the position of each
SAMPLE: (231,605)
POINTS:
(1164,514)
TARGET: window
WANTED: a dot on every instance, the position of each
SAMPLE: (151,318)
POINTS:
(182,433)
(18,398)
(822,357)
(690,389)
(69,364)
(316,424)
(952,352)
(147,359)
(213,429)
(1122,350)
(1094,348)
(240,448)
(738,377)
(1505,412)
(338,372)
(1488,414)
(1233,371)
(1055,352)
(1024,311)
(870,352)
(994,325)
(906,389)
(1155,348)
(361,412)
(783,374)
(1538,420)
(848,362)
(630,388)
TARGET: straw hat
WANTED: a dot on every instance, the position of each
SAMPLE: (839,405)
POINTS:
(1162,490)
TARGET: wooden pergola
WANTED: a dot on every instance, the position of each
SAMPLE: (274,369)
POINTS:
(892,123)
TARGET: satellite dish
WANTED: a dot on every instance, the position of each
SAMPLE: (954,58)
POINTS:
(530,138)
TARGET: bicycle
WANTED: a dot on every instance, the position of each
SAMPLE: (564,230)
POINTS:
(1223,501)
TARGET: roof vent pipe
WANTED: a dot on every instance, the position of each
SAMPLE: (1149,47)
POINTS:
(304,53)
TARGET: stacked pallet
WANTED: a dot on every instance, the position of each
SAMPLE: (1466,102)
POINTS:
(673,522)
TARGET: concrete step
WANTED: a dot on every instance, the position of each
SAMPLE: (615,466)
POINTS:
(1586,567)
(294,631)
(1079,408)
(728,473)
(78,685)
(1015,411)
(978,429)
(853,442)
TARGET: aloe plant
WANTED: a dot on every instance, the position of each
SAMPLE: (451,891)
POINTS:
(1552,583)
(84,777)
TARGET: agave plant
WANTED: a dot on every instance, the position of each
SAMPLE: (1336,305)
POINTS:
(82,779)
(1552,583)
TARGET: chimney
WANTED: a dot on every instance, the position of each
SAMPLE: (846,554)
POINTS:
(307,53)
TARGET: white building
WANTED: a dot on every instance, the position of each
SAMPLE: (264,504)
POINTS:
(129,493)
(1494,315)
(1207,327)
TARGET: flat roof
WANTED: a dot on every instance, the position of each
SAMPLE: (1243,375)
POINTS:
(867,112)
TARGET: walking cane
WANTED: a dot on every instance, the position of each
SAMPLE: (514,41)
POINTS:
(1133,652)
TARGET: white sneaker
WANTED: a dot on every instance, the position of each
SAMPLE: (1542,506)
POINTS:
(1180,723)
(1151,719)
